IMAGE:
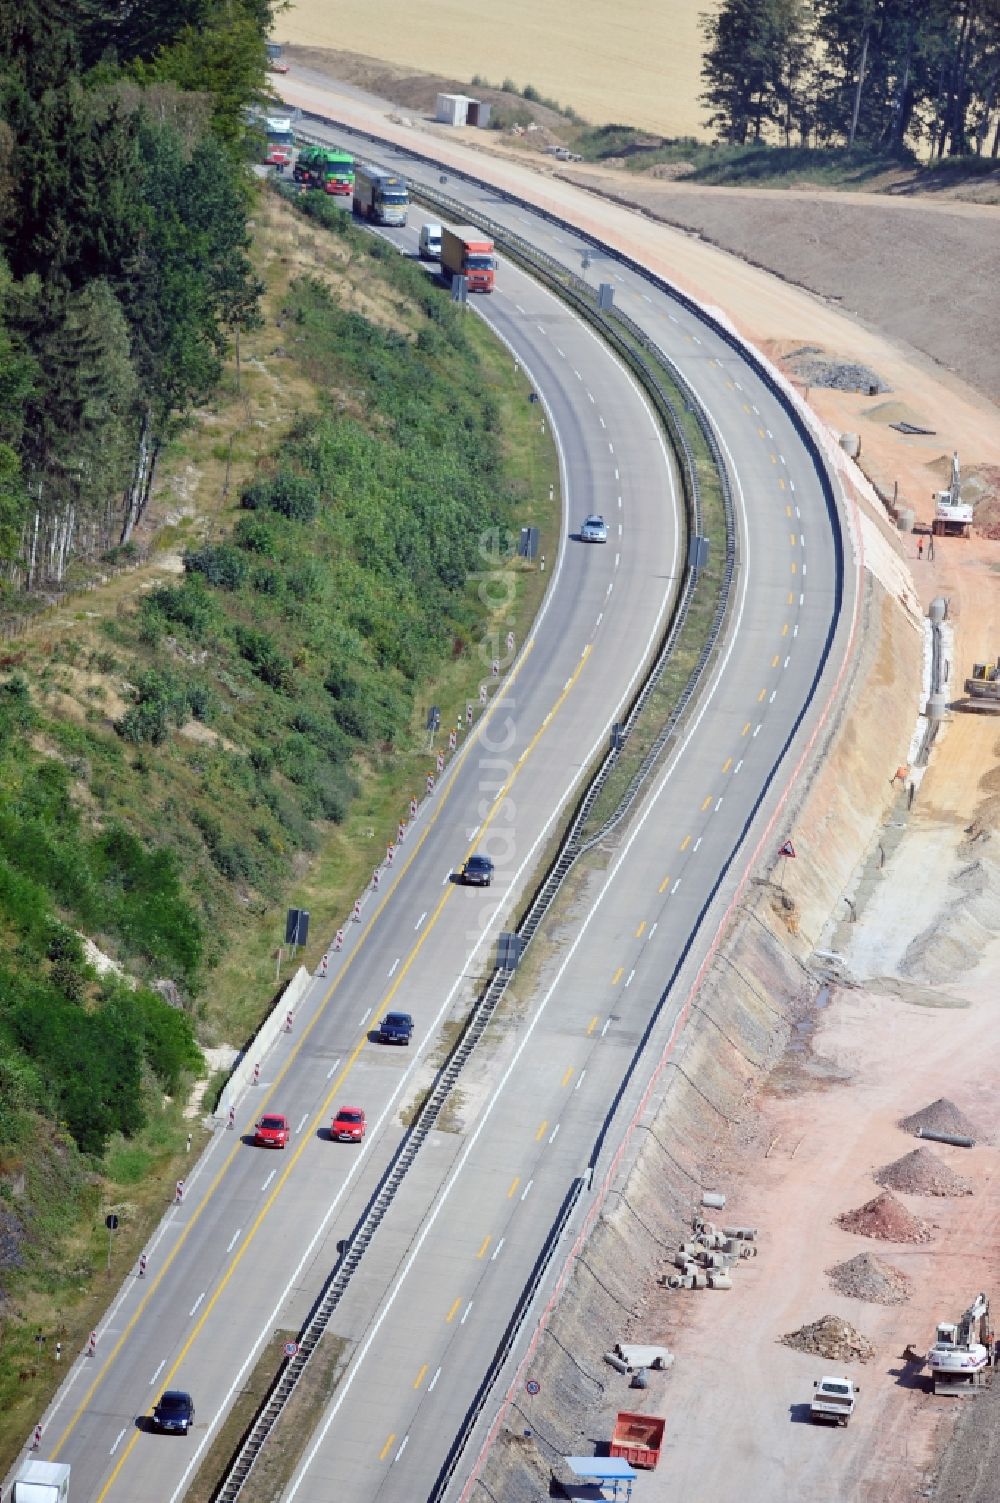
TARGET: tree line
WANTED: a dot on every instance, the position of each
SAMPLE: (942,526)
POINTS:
(123,252)
(887,75)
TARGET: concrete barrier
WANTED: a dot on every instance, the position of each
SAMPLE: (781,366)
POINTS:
(272,1026)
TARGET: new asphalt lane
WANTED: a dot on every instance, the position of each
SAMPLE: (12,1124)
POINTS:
(255,1235)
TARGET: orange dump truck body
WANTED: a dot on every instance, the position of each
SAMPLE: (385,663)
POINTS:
(637,1438)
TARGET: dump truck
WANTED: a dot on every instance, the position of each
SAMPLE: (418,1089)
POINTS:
(41,1482)
(379,196)
(467,252)
(637,1438)
(833,1401)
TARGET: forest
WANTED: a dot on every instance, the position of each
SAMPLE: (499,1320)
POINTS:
(890,76)
(124,269)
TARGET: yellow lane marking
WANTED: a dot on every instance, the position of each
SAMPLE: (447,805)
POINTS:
(784,630)
(387,1447)
(262,1105)
(513,1186)
(481,1253)
(760,432)
(421,1375)
(568,1076)
(614,982)
(791,597)
(638,932)
(705,805)
(592,1025)
(539,1135)
(795,568)
(782,484)
(775,661)
(760,696)
(746,729)
(774,459)
(727,764)
(307,1138)
(685,842)
(665,883)
(453,1312)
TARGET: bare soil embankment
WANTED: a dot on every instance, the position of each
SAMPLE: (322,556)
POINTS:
(729,1394)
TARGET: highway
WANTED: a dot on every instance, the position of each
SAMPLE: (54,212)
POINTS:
(256,1235)
(249,1249)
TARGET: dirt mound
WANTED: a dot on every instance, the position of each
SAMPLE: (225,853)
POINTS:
(887,1219)
(867,1277)
(833,1338)
(941,1116)
(922,1173)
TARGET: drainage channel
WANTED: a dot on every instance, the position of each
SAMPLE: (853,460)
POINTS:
(571,849)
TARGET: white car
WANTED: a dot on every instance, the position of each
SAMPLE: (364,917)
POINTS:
(594,530)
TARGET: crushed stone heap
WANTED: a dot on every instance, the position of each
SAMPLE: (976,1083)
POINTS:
(922,1173)
(832,1338)
(941,1116)
(867,1277)
(887,1219)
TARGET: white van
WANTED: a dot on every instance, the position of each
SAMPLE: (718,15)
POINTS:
(430,242)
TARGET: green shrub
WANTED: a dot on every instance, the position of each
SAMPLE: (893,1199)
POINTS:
(221,564)
(293,495)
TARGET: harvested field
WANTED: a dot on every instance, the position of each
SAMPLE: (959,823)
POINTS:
(832,1338)
(886,1218)
(646,65)
(941,1116)
(867,1277)
(922,1173)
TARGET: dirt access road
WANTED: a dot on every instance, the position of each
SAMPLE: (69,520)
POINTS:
(920,1023)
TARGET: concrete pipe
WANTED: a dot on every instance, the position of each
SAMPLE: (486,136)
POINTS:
(746,1251)
(672,1281)
(955,1138)
(741,1233)
(719,1281)
(699,1281)
(639,1380)
(616,1362)
(713,1199)
(681,1259)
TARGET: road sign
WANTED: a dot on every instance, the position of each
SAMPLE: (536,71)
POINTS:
(111,1222)
(291,1347)
(787,849)
(297,926)
(532,1386)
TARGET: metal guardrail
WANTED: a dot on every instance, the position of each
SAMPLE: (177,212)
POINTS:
(577,292)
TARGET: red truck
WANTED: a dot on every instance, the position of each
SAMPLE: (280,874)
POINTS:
(637,1438)
(466,252)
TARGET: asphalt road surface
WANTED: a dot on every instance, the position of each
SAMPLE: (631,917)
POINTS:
(256,1236)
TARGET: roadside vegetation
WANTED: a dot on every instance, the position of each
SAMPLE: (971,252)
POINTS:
(235,724)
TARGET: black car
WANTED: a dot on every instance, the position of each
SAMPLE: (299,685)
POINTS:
(174,1413)
(478,871)
(396,1028)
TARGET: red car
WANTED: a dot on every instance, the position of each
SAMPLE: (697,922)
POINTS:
(348,1126)
(271,1131)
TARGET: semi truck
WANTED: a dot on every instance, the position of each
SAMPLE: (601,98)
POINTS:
(467,252)
(379,196)
(336,171)
(41,1482)
(280,141)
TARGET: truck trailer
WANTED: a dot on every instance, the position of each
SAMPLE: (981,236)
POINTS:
(467,252)
(379,196)
(41,1482)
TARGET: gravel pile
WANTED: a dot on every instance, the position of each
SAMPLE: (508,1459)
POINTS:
(887,1219)
(941,1116)
(922,1173)
(832,1338)
(867,1277)
(840,375)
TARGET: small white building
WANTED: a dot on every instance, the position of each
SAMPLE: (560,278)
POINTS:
(453,109)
